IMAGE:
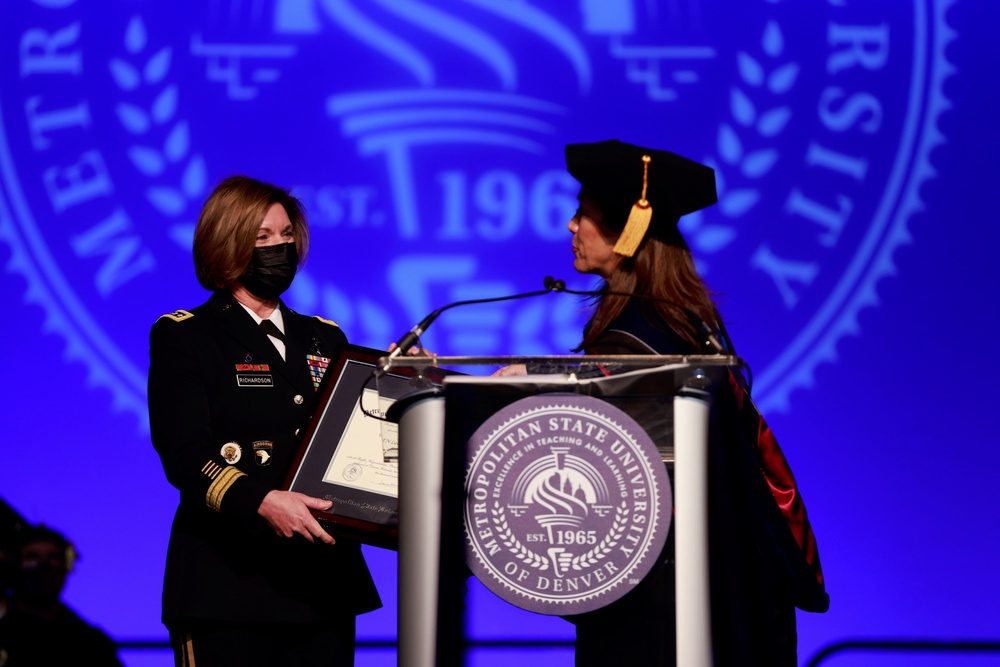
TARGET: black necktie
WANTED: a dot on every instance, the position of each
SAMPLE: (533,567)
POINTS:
(271,329)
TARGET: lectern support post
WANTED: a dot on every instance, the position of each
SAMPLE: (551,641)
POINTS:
(421,463)
(694,629)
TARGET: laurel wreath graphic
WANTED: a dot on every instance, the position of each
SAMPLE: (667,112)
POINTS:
(774,386)
(760,80)
(532,559)
(163,142)
(767,123)
(523,553)
(606,545)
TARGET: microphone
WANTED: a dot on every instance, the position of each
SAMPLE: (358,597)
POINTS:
(413,335)
(555,285)
(709,338)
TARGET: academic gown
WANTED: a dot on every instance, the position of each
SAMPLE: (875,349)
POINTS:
(764,560)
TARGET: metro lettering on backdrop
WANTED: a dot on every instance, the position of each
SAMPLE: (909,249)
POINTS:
(121,121)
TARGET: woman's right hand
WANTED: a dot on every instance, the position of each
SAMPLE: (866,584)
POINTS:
(513,369)
(414,351)
(287,512)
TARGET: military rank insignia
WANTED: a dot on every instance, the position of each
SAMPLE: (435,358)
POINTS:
(178,315)
(317,368)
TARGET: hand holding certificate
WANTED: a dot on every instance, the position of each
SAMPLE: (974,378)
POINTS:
(349,452)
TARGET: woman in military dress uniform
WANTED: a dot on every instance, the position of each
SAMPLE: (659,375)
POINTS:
(251,577)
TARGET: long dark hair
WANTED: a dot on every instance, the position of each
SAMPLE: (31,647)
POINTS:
(664,269)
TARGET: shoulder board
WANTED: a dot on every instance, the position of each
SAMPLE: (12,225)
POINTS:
(326,321)
(177,316)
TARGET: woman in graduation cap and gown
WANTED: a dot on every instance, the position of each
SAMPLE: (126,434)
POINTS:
(764,560)
(251,576)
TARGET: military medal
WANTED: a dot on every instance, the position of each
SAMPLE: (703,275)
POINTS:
(317,368)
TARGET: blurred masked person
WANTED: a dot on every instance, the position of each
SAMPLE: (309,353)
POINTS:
(37,629)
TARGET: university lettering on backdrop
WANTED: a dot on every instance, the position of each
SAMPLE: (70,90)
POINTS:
(425,139)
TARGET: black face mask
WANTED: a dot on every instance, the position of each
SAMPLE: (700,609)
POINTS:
(40,585)
(271,270)
(6,577)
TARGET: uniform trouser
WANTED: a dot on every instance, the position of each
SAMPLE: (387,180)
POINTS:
(200,643)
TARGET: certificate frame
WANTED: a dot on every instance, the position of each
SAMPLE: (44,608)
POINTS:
(341,457)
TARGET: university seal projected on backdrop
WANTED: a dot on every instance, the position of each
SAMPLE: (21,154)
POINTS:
(425,139)
(567,503)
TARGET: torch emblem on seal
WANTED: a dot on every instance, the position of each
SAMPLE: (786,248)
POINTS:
(563,490)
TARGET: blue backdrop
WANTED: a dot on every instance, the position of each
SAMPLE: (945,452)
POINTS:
(855,148)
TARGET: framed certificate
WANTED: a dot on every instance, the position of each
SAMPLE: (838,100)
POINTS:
(349,453)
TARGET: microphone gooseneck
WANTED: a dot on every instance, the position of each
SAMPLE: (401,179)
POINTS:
(709,337)
(411,337)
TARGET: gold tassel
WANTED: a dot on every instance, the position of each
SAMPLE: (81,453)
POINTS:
(638,218)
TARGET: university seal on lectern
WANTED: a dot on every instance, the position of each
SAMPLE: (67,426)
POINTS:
(567,506)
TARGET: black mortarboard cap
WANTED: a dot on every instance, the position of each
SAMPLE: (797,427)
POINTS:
(640,189)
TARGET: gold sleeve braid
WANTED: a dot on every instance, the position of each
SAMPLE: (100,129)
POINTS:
(222,479)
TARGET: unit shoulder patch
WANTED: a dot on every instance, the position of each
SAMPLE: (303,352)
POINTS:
(177,315)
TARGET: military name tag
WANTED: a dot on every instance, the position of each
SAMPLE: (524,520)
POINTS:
(248,380)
